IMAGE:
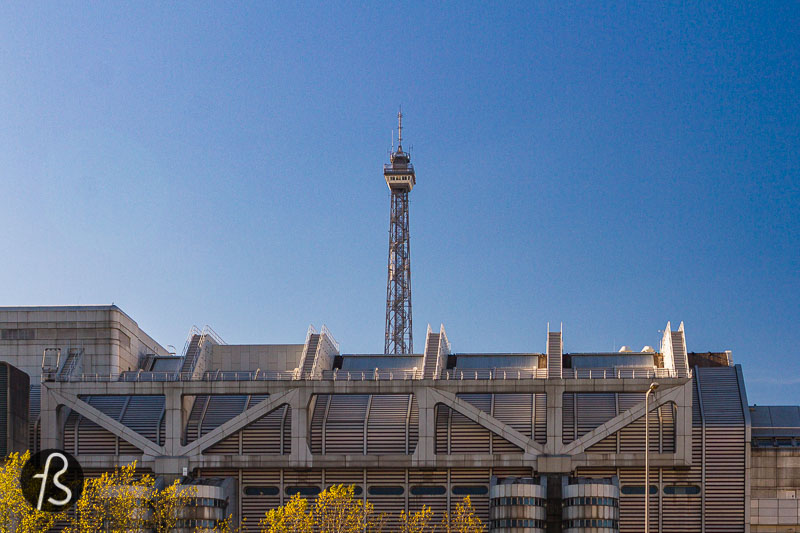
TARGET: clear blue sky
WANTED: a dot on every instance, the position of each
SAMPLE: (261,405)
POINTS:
(610,167)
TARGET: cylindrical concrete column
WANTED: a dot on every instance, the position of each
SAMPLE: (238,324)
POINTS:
(518,505)
(590,506)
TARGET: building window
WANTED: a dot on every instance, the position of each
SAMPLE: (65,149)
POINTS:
(302,490)
(428,490)
(470,490)
(255,490)
(386,490)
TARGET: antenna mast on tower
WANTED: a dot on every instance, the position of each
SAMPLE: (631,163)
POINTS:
(400,178)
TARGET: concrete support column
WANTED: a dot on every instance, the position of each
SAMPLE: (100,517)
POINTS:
(425,454)
(300,455)
(173,419)
(50,421)
(555,429)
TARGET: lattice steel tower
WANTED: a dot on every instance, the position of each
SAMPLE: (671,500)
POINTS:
(400,178)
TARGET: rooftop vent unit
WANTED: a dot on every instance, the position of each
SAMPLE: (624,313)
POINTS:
(624,349)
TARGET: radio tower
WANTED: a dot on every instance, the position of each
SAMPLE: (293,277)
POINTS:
(400,178)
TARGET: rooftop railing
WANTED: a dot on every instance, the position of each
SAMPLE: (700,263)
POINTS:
(365,375)
(371,375)
(618,373)
(494,373)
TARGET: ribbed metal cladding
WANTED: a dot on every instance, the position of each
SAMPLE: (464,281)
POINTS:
(474,483)
(591,506)
(344,424)
(540,418)
(3,410)
(143,415)
(583,412)
(387,490)
(260,491)
(428,488)
(378,424)
(455,433)
(88,437)
(386,427)
(518,506)
(467,436)
(34,409)
(725,449)
(219,410)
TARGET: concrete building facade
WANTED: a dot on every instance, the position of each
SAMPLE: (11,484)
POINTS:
(540,441)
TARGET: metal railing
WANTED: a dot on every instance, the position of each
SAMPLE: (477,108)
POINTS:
(617,373)
(150,377)
(371,375)
(494,373)
(207,330)
(364,375)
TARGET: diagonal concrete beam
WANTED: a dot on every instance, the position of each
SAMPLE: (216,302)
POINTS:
(674,394)
(98,417)
(247,417)
(488,421)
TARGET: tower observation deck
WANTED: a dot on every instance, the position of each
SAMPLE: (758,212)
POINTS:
(400,178)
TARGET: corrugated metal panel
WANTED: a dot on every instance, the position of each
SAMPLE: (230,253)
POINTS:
(317,420)
(195,418)
(437,503)
(390,504)
(725,449)
(467,436)
(593,410)
(386,429)
(516,411)
(631,512)
(344,426)
(632,435)
(4,389)
(568,417)
(303,478)
(540,418)
(264,435)
(34,407)
(472,478)
(93,439)
(143,415)
(220,409)
(668,415)
(443,414)
(254,505)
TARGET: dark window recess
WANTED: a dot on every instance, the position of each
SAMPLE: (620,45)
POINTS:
(252,490)
(470,490)
(303,490)
(18,334)
(682,490)
(385,490)
(428,490)
(630,490)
